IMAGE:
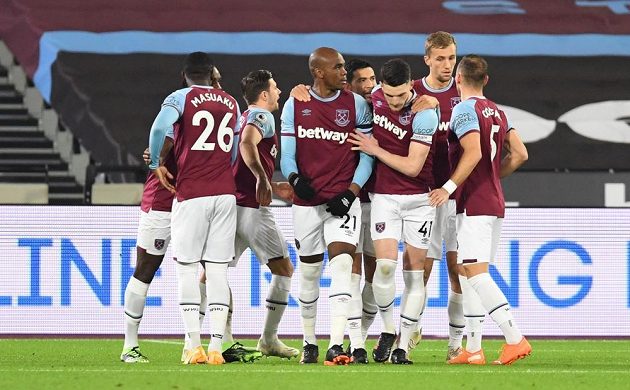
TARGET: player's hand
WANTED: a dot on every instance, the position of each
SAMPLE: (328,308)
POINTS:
(300,93)
(283,190)
(263,191)
(302,186)
(438,197)
(165,177)
(424,102)
(364,143)
(146,156)
(340,204)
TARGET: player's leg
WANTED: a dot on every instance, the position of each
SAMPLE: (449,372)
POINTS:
(217,254)
(476,266)
(455,308)
(355,308)
(270,247)
(309,241)
(369,308)
(386,230)
(189,229)
(154,234)
(418,217)
(341,235)
(474,312)
(203,305)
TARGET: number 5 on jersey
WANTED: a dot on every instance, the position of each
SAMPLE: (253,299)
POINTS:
(223,131)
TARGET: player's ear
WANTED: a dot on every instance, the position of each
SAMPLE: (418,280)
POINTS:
(426,60)
(485,80)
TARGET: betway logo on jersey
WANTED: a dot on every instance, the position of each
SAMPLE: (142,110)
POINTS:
(211,97)
(384,122)
(443,126)
(321,133)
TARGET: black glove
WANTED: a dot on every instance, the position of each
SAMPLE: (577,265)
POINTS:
(301,186)
(340,204)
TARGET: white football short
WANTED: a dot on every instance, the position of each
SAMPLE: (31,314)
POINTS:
(478,238)
(366,245)
(444,229)
(315,228)
(256,229)
(204,229)
(154,232)
(406,217)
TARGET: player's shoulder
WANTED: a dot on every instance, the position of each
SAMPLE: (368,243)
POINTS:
(260,115)
(179,93)
(465,106)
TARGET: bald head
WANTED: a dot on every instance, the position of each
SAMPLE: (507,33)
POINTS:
(322,57)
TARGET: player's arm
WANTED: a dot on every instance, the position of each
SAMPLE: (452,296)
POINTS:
(424,102)
(168,145)
(301,93)
(164,121)
(341,203)
(288,163)
(465,124)
(423,126)
(515,153)
(282,190)
(250,138)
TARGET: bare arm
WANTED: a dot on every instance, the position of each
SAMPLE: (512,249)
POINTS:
(516,153)
(251,137)
(424,102)
(468,161)
(409,165)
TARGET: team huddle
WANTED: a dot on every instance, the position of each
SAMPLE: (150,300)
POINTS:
(368,165)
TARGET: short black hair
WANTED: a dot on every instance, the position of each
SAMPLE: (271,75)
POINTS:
(254,84)
(198,65)
(396,72)
(355,64)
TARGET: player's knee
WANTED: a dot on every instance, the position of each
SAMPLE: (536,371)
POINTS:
(385,268)
(341,263)
(310,272)
(281,267)
(146,267)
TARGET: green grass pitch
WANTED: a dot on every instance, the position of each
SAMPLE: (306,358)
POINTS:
(94,364)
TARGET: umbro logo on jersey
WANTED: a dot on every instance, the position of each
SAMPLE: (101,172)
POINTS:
(306,112)
(385,123)
(342,117)
(321,133)
(345,202)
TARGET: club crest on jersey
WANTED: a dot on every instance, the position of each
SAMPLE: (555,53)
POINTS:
(306,112)
(380,227)
(405,118)
(455,101)
(379,103)
(342,117)
(158,244)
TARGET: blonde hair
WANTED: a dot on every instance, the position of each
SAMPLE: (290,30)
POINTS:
(438,40)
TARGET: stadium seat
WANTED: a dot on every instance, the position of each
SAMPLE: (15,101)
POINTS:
(26,193)
(122,193)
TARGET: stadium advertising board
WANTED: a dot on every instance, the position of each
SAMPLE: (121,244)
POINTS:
(63,270)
